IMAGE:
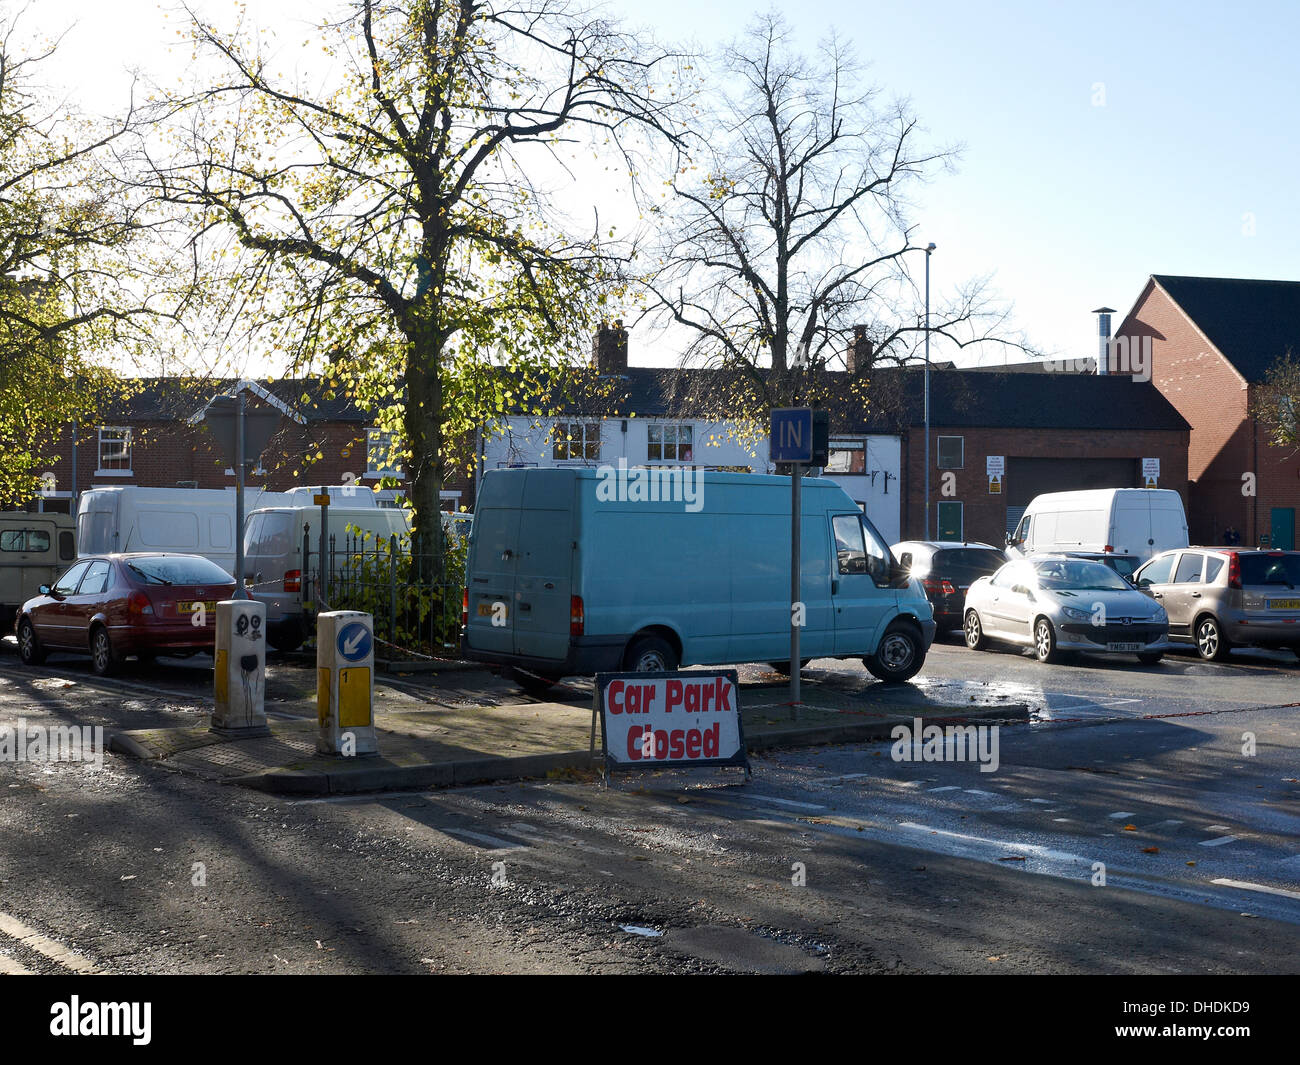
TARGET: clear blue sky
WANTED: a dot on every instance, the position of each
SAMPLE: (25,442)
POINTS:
(1067,204)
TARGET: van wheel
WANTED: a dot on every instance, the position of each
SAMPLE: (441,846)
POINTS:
(784,665)
(29,648)
(974,632)
(650,654)
(1211,644)
(1044,641)
(899,656)
(103,659)
(532,683)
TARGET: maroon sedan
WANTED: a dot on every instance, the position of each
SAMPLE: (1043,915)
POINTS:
(112,606)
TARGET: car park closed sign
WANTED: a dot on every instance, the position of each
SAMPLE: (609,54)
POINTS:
(659,720)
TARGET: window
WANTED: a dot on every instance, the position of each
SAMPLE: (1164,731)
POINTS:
(1212,566)
(671,443)
(96,580)
(1156,571)
(381,459)
(576,440)
(25,540)
(1189,569)
(952,452)
(1012,574)
(114,449)
(67,584)
(847,457)
(859,548)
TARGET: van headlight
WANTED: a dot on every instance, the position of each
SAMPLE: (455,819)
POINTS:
(1076,613)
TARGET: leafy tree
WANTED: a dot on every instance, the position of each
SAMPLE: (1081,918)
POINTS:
(389,221)
(1277,399)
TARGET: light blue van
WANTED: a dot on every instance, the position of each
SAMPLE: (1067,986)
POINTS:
(575,572)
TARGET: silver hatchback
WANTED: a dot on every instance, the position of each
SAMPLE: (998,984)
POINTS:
(1218,598)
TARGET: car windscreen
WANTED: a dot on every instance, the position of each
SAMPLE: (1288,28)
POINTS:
(177,569)
(1079,575)
(1271,569)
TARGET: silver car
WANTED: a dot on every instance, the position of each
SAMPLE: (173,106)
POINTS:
(1055,604)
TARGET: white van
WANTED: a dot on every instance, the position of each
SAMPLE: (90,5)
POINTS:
(34,550)
(1126,521)
(569,575)
(273,557)
(191,521)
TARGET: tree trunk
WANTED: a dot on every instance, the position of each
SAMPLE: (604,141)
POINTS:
(423,423)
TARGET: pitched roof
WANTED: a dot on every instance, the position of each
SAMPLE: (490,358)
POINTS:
(1253,323)
(168,398)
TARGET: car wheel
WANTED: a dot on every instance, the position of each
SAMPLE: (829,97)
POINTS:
(1044,641)
(29,648)
(784,665)
(103,659)
(974,632)
(1211,644)
(650,654)
(1150,658)
(533,683)
(899,656)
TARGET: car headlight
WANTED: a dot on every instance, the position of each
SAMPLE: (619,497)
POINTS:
(1160,614)
(1076,613)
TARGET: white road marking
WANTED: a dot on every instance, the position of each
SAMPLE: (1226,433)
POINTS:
(32,939)
(1121,816)
(1218,842)
(842,776)
(9,967)
(1218,828)
(1061,819)
(491,842)
(976,791)
(1164,824)
(950,787)
(1246,885)
(1028,849)
(786,802)
(1045,802)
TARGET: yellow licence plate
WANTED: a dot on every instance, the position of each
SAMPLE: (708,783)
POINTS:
(188,606)
(1284,604)
(485,610)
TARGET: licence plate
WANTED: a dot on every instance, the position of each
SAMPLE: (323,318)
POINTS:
(1124,646)
(485,610)
(1284,604)
(189,606)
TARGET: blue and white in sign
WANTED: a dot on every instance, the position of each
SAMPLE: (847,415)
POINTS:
(354,641)
(792,434)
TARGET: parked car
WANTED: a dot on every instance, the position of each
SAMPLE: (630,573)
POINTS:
(562,580)
(1221,597)
(946,569)
(113,606)
(1126,521)
(1056,604)
(34,549)
(1124,565)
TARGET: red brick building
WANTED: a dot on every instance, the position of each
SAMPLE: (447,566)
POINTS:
(1212,341)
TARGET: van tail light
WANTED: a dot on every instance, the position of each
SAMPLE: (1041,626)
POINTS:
(138,604)
(293,580)
(1108,548)
(577,616)
(1234,570)
(464,608)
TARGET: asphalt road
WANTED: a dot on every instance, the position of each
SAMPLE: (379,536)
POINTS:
(832,859)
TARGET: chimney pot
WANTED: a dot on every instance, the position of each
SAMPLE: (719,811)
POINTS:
(609,348)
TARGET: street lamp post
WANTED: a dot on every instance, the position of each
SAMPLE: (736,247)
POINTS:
(928,250)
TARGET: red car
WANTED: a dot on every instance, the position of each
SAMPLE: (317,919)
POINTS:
(111,606)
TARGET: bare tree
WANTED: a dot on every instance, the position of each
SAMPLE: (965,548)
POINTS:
(792,229)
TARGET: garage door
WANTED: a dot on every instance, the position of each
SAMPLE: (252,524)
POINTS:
(1029,477)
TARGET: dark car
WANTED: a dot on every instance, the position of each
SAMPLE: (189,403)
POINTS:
(946,569)
(112,606)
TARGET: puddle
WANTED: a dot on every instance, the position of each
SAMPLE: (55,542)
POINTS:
(640,930)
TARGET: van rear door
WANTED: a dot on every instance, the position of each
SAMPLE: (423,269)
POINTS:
(491,578)
(544,566)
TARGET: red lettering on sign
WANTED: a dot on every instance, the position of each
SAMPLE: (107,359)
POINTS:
(612,696)
(722,698)
(693,743)
(674,697)
(633,744)
(711,742)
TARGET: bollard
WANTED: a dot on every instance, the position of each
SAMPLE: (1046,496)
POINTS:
(345,668)
(239,669)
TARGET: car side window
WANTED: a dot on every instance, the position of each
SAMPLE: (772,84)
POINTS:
(67,584)
(95,582)
(1156,571)
(1189,568)
(1213,565)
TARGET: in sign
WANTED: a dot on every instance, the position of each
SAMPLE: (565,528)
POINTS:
(792,434)
(354,641)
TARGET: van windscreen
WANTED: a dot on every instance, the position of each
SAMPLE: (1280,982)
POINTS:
(270,533)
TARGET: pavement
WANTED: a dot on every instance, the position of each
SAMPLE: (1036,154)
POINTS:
(459,727)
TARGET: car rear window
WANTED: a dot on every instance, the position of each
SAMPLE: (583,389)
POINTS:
(1270,569)
(177,569)
(967,562)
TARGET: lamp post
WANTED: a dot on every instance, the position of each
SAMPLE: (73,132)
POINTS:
(929,248)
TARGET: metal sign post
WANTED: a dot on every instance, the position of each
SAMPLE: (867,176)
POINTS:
(791,438)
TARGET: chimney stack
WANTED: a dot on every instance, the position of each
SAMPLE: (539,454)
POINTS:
(609,348)
(861,352)
(1103,339)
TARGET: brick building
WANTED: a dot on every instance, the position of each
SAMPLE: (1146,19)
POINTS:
(1211,342)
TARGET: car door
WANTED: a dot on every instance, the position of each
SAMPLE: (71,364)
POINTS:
(1156,580)
(86,602)
(1004,611)
(50,619)
(1182,595)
